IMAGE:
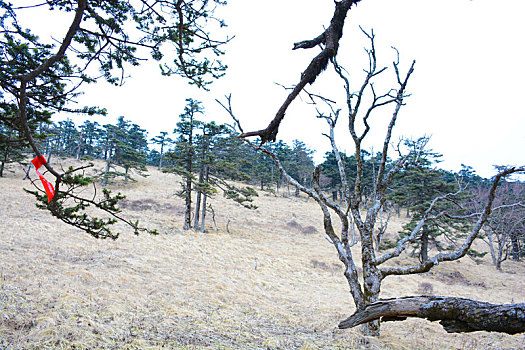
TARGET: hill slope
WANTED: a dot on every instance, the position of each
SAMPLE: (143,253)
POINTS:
(272,282)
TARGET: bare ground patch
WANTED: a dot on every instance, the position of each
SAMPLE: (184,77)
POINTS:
(455,277)
(306,229)
(151,204)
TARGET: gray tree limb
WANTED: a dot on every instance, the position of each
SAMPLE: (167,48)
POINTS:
(461,251)
(456,315)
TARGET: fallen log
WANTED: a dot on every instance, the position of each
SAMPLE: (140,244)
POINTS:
(456,315)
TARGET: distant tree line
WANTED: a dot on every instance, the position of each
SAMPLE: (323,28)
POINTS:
(191,145)
(206,155)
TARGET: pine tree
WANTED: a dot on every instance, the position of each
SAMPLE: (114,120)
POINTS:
(11,148)
(164,141)
(133,150)
(130,147)
(124,145)
(204,188)
(40,76)
(234,159)
(416,188)
(184,153)
(108,139)
(90,144)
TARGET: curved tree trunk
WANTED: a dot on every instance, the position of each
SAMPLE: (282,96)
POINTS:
(456,315)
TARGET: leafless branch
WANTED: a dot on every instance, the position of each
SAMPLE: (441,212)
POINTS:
(427,265)
(230,111)
(399,102)
(330,39)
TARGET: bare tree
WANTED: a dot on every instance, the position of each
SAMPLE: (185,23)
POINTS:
(365,213)
(505,228)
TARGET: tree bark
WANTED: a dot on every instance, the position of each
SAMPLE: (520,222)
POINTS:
(187,210)
(4,160)
(491,248)
(198,200)
(371,282)
(106,171)
(203,220)
(80,148)
(161,155)
(189,169)
(456,315)
(202,170)
(424,245)
(126,175)
(515,253)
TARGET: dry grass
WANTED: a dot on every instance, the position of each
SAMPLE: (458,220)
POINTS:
(274,282)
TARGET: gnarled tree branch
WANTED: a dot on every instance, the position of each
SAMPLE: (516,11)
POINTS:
(330,39)
(456,315)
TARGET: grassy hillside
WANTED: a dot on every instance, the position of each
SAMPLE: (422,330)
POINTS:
(273,282)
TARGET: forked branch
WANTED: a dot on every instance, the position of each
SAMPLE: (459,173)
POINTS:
(330,40)
(462,250)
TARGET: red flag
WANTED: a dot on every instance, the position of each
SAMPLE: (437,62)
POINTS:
(38,162)
(50,191)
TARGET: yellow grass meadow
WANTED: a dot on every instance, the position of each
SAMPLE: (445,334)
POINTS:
(272,282)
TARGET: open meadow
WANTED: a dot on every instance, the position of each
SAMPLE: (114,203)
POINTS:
(271,281)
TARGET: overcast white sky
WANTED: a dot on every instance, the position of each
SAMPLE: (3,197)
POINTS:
(467,89)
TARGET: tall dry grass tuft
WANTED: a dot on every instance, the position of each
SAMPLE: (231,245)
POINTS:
(273,282)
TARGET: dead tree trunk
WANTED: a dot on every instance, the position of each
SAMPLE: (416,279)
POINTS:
(456,315)
(424,245)
(198,200)
(106,170)
(515,252)
(203,222)
(80,147)
(187,205)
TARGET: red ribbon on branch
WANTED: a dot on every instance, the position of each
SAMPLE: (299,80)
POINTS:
(50,191)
